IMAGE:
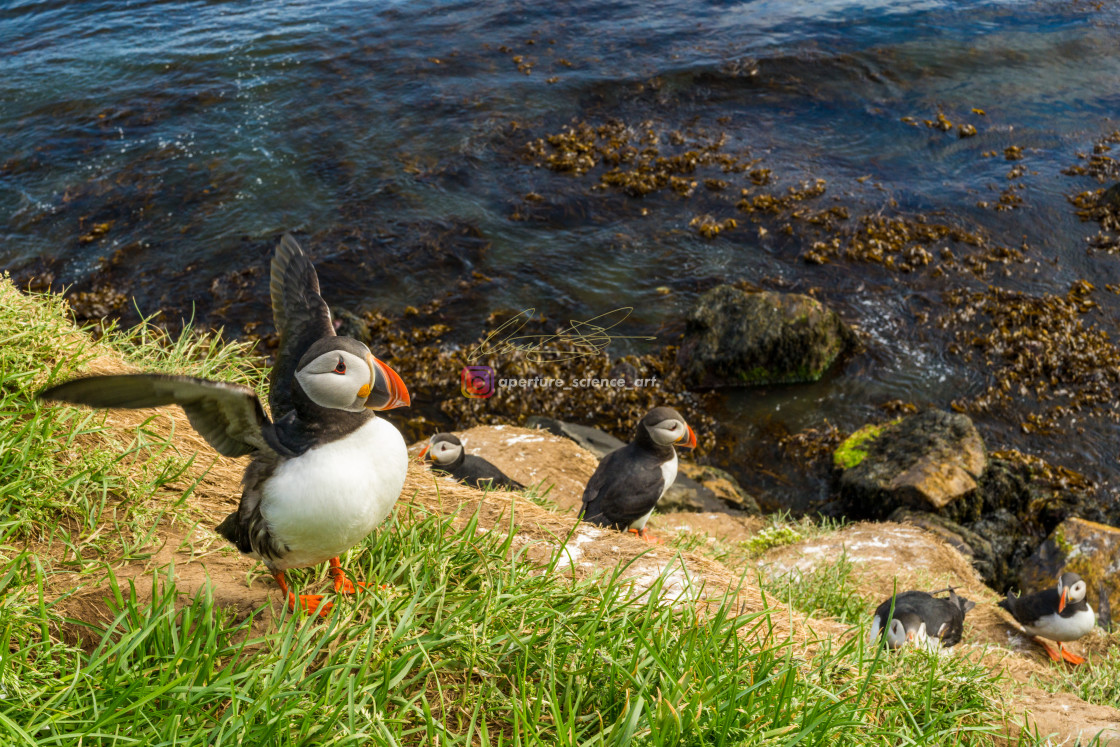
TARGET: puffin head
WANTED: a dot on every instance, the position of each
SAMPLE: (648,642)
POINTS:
(443,449)
(1071,590)
(665,427)
(906,628)
(340,373)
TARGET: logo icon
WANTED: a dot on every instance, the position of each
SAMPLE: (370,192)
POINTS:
(478,381)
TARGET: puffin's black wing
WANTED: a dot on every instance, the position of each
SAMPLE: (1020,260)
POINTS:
(1031,608)
(301,317)
(624,488)
(228,416)
(476,470)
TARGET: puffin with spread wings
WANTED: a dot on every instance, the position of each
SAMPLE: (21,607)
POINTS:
(325,470)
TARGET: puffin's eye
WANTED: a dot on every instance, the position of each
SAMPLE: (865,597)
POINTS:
(341,367)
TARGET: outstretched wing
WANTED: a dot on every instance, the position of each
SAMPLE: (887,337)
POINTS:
(228,416)
(301,316)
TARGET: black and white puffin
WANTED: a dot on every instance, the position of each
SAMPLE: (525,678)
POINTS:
(630,480)
(921,619)
(1059,614)
(446,454)
(325,470)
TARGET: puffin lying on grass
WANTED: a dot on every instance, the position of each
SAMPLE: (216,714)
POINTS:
(445,452)
(325,470)
(1059,614)
(630,480)
(921,619)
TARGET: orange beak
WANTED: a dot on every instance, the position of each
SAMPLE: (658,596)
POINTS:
(691,442)
(420,456)
(387,390)
(1062,600)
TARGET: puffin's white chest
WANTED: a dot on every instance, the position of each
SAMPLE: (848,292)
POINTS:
(668,476)
(1057,628)
(325,501)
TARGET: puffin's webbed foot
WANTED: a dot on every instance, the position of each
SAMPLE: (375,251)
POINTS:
(645,536)
(342,584)
(307,602)
(1069,656)
(1055,654)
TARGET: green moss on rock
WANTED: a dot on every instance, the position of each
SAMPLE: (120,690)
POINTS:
(849,453)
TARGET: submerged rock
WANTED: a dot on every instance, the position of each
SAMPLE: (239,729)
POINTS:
(926,462)
(1089,549)
(735,338)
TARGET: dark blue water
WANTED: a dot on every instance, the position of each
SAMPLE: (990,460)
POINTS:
(153,152)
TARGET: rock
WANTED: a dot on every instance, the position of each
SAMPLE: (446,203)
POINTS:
(722,485)
(598,442)
(735,338)
(686,494)
(348,324)
(928,462)
(1089,549)
(975,548)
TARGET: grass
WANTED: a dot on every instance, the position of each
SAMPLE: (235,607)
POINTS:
(54,485)
(476,646)
(825,591)
(473,644)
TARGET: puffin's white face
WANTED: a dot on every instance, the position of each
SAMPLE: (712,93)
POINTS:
(896,634)
(445,452)
(1071,594)
(338,380)
(672,431)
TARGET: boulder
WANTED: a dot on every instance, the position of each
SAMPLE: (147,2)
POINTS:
(735,338)
(990,544)
(600,443)
(1089,549)
(926,462)
(722,485)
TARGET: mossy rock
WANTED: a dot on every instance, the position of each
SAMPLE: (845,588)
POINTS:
(851,452)
(927,462)
(734,338)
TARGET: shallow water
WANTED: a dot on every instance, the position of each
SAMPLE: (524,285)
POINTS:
(391,138)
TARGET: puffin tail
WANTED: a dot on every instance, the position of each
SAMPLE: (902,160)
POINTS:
(1006,604)
(233,530)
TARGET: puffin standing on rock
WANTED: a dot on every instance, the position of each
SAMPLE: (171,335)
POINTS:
(1059,614)
(325,470)
(921,619)
(445,452)
(630,480)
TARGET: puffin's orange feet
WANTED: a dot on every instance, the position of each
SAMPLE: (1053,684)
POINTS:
(309,603)
(1069,656)
(1055,654)
(646,536)
(342,584)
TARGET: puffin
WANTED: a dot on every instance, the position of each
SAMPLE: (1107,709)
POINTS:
(1059,614)
(445,452)
(921,619)
(630,480)
(325,469)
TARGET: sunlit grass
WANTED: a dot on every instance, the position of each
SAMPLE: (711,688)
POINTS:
(473,643)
